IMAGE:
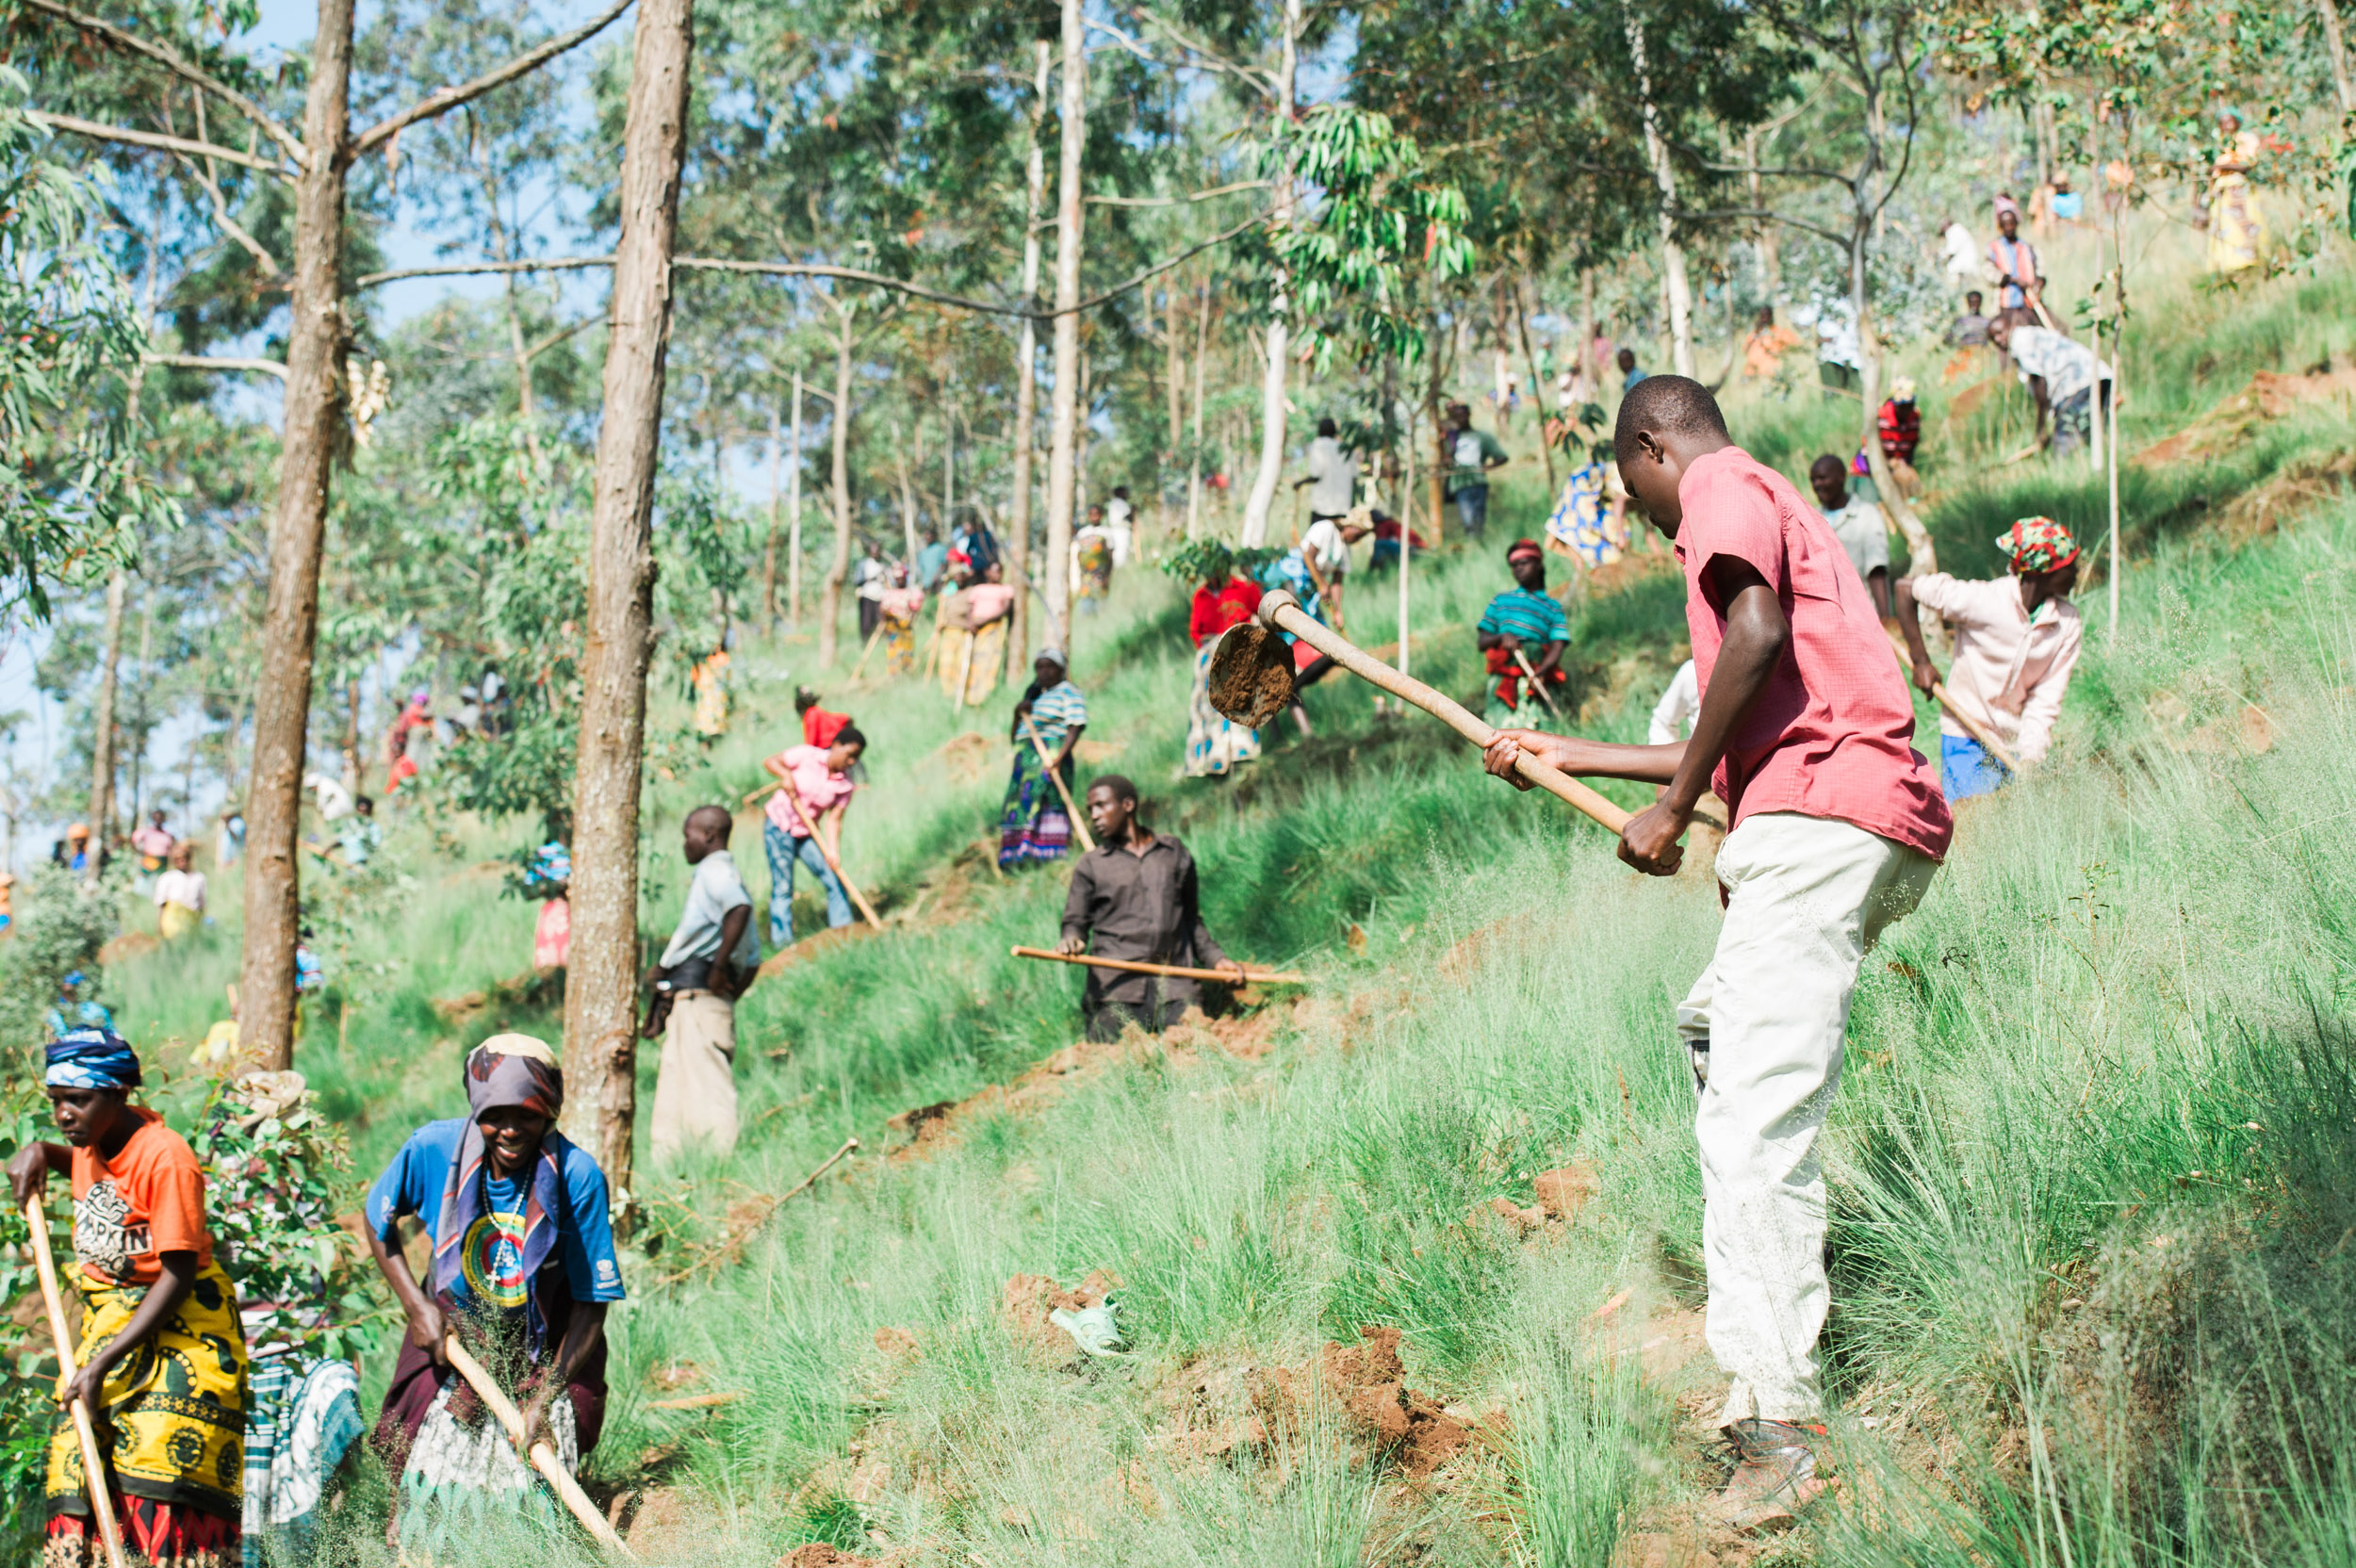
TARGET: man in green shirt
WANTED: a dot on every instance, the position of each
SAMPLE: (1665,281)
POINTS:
(1470,453)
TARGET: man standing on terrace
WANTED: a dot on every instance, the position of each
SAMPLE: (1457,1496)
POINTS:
(1806,730)
(1135,896)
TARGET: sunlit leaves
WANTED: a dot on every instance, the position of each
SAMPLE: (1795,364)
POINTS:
(72,494)
(1380,219)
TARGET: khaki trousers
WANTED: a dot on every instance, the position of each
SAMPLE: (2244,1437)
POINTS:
(694,1087)
(1806,896)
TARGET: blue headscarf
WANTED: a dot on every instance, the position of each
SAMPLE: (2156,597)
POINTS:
(92,1059)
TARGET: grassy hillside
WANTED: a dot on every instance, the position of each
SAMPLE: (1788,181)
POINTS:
(2090,1218)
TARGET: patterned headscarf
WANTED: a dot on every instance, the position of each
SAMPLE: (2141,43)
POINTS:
(2038,544)
(506,1071)
(92,1059)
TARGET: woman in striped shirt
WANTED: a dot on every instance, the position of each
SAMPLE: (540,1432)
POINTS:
(1034,823)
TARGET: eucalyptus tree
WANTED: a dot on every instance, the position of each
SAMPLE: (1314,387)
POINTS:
(173,54)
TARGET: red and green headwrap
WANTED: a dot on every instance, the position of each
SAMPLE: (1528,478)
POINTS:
(2038,544)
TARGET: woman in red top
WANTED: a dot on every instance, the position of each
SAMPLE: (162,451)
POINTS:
(1214,743)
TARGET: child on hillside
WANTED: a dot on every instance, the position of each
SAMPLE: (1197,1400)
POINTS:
(2016,639)
(1838,826)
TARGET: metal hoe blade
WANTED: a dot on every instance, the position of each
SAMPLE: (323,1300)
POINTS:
(1252,674)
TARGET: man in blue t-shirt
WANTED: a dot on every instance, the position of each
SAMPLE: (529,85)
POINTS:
(1522,635)
(522,1257)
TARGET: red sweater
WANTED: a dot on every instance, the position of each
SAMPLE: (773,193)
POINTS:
(1231,604)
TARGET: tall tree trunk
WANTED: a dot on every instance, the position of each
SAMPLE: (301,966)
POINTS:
(314,402)
(601,985)
(794,517)
(769,543)
(1279,345)
(1027,369)
(1202,352)
(1537,389)
(830,601)
(1063,410)
(1679,291)
(102,781)
(901,461)
(2335,51)
(1769,256)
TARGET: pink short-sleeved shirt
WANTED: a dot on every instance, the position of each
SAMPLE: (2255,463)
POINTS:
(1832,733)
(818,787)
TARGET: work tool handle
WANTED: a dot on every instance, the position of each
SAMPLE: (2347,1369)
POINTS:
(1939,694)
(1281,611)
(1079,824)
(1536,684)
(543,1458)
(1175,972)
(794,799)
(102,1505)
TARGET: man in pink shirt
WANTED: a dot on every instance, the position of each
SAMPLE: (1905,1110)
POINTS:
(2017,640)
(1806,730)
(818,778)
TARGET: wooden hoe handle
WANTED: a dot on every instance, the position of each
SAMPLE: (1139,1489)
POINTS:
(102,1507)
(543,1457)
(1250,978)
(1281,611)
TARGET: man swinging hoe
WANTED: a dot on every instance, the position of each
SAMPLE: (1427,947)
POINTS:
(1806,730)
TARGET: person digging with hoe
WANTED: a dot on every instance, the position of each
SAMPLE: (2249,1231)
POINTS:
(1135,896)
(1806,730)
(1521,637)
(523,1269)
(164,1356)
(2017,640)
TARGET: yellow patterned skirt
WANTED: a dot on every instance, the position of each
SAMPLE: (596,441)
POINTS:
(175,1404)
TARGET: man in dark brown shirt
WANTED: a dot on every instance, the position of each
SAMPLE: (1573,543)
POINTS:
(1133,896)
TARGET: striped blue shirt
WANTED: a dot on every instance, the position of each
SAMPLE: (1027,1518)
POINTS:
(1534,619)
(1056,712)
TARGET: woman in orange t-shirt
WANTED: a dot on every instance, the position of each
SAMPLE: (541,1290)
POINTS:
(165,1356)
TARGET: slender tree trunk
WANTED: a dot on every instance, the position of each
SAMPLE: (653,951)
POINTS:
(769,543)
(2335,51)
(830,601)
(102,782)
(314,402)
(1769,257)
(900,458)
(794,517)
(1026,369)
(1407,532)
(1537,392)
(1279,343)
(1674,283)
(948,519)
(1063,410)
(601,986)
(1202,351)
(352,768)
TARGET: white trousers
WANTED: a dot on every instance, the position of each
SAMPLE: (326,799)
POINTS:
(695,1088)
(1806,896)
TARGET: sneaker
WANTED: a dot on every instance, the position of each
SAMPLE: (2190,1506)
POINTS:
(1775,1473)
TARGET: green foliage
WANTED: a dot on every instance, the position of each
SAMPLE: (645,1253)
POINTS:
(526,551)
(1197,561)
(276,1174)
(58,928)
(71,490)
(1382,219)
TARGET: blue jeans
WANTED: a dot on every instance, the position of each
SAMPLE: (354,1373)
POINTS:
(1966,769)
(1472,508)
(784,849)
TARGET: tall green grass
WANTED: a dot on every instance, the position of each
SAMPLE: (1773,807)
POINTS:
(2093,1313)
